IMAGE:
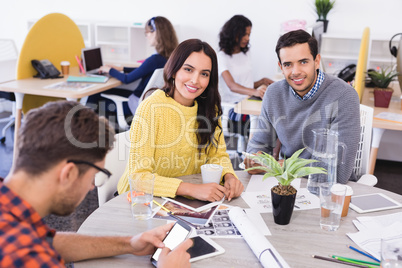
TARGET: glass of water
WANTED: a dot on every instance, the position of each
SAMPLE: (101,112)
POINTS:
(391,253)
(142,193)
(332,197)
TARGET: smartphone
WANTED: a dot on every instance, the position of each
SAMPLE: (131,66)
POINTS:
(179,232)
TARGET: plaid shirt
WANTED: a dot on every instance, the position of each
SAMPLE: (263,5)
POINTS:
(313,90)
(25,240)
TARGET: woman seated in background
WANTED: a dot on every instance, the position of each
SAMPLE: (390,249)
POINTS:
(178,128)
(161,35)
(236,80)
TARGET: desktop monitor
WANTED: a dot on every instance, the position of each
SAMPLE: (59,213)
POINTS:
(399,62)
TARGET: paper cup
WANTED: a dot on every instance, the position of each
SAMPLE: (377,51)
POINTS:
(348,196)
(65,67)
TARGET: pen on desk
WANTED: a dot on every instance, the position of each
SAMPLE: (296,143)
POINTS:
(338,261)
(364,253)
(355,260)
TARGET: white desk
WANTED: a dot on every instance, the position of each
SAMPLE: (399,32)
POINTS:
(296,242)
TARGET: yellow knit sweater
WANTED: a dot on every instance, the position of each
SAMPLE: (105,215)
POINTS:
(163,141)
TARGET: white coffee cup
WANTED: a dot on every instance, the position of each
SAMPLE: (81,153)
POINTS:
(211,173)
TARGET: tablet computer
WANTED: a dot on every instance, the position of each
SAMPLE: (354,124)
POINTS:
(204,247)
(372,202)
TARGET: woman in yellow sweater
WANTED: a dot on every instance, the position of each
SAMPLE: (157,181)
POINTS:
(178,128)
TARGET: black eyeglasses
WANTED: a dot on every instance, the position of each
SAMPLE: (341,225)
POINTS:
(97,183)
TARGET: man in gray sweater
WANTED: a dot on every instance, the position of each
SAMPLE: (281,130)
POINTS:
(306,99)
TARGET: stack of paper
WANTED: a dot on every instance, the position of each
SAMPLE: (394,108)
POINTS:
(373,229)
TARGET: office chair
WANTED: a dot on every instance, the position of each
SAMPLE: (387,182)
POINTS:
(361,68)
(116,161)
(156,81)
(361,167)
(8,63)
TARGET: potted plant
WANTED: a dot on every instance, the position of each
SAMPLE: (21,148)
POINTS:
(381,80)
(322,8)
(283,195)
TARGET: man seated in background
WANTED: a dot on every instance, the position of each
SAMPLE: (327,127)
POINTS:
(61,146)
(306,99)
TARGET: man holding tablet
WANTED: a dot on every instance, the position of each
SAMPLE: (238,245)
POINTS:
(61,146)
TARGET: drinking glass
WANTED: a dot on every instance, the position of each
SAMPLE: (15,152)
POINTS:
(391,253)
(332,197)
(141,191)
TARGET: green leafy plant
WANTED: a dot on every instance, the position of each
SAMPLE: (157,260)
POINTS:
(383,77)
(322,7)
(292,168)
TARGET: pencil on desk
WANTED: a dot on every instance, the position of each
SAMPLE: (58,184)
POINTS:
(342,262)
(364,253)
(355,260)
(162,207)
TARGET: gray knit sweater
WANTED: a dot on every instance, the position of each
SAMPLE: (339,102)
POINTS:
(335,105)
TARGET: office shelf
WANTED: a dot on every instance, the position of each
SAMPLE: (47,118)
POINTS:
(122,42)
(340,50)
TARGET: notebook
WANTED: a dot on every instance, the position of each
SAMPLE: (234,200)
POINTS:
(88,79)
(92,60)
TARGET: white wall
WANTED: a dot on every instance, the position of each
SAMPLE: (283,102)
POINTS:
(203,19)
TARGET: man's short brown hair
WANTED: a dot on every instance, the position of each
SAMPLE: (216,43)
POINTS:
(58,131)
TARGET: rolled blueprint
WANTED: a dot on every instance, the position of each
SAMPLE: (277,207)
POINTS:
(262,248)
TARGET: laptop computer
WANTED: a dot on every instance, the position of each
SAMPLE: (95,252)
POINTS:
(92,60)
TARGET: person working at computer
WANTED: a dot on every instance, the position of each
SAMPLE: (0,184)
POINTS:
(306,99)
(160,34)
(236,80)
(178,128)
(59,154)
